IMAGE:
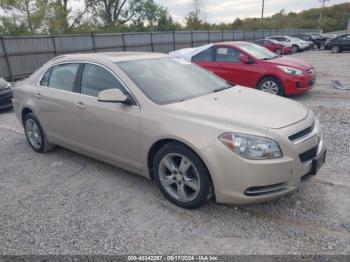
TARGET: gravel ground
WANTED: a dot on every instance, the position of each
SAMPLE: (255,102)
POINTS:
(65,203)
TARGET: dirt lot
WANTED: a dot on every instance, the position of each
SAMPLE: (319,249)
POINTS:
(65,203)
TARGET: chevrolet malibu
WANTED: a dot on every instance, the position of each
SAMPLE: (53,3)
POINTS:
(169,120)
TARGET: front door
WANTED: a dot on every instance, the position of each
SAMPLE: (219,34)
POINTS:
(106,129)
(229,67)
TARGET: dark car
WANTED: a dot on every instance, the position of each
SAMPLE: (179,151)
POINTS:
(5,94)
(317,40)
(338,44)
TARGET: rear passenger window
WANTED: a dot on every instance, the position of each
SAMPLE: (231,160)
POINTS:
(206,55)
(63,76)
(96,79)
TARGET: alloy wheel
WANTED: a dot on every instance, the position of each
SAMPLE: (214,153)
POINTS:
(179,177)
(335,49)
(33,133)
(270,87)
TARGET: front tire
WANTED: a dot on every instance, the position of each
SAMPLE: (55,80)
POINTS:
(181,176)
(279,52)
(35,134)
(295,49)
(271,85)
(335,49)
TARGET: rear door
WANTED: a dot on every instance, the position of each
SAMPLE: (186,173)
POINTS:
(55,105)
(106,130)
(229,67)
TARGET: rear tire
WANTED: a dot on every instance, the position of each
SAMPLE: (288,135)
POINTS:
(181,176)
(35,134)
(271,85)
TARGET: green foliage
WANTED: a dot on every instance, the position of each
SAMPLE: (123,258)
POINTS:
(21,17)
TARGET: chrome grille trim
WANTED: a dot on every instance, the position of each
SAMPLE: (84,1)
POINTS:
(314,132)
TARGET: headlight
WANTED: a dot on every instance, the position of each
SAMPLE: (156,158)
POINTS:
(290,70)
(251,147)
(4,84)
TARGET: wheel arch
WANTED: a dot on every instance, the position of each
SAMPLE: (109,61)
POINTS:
(266,76)
(24,112)
(162,142)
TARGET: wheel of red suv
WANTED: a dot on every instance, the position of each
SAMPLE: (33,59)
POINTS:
(335,49)
(279,51)
(35,134)
(271,85)
(295,48)
(181,176)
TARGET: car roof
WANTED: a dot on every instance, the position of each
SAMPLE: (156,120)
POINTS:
(110,56)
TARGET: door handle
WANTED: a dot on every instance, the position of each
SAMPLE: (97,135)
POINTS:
(80,105)
(38,95)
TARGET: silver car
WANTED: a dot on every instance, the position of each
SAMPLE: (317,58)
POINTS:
(169,120)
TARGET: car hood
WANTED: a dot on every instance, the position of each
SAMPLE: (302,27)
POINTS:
(244,105)
(291,62)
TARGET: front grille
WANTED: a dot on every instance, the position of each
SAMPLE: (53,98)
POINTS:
(5,99)
(308,155)
(301,133)
(265,190)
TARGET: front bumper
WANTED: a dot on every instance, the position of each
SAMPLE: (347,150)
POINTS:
(5,98)
(242,181)
(294,85)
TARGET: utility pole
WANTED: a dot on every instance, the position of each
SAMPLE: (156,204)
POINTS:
(321,13)
(262,9)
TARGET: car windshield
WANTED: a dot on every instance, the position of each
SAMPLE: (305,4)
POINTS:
(169,80)
(257,51)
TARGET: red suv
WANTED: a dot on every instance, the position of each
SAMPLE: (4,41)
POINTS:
(250,65)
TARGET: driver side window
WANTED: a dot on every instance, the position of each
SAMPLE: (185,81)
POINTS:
(96,79)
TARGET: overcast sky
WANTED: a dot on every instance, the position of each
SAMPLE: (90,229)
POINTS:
(216,11)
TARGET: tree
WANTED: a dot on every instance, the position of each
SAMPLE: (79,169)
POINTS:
(115,12)
(165,22)
(194,17)
(28,13)
(237,24)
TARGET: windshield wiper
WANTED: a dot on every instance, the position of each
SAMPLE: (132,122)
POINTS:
(222,88)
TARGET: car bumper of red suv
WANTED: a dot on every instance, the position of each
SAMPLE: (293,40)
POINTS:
(294,84)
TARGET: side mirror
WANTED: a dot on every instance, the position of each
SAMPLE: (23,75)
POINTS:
(112,95)
(244,59)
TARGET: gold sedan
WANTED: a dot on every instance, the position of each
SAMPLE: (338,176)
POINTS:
(172,121)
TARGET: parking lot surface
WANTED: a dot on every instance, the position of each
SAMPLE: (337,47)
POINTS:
(65,203)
